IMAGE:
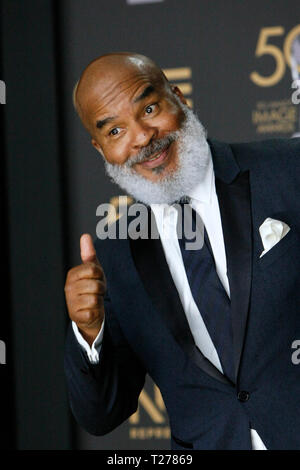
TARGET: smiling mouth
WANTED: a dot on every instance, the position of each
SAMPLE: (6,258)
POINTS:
(157,159)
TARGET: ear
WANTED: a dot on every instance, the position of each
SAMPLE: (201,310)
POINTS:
(179,93)
(97,147)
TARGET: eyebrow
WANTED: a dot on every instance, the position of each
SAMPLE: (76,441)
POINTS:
(103,122)
(146,92)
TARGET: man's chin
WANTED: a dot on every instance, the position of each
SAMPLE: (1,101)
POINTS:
(157,174)
(154,190)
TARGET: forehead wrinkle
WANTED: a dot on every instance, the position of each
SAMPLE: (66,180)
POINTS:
(123,82)
(112,91)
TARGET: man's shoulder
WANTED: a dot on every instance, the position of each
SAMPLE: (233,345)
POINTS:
(271,152)
(274,156)
(268,146)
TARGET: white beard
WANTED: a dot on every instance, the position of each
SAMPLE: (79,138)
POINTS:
(193,157)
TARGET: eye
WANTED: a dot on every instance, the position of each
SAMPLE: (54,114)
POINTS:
(114,131)
(149,109)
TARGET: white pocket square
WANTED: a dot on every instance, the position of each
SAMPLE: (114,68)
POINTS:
(271,232)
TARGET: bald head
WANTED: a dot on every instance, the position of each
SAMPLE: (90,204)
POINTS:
(108,71)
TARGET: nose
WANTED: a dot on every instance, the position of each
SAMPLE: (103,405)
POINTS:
(142,135)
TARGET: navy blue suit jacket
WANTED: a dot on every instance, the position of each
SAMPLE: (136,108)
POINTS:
(146,329)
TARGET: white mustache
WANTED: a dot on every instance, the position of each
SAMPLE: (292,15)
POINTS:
(151,149)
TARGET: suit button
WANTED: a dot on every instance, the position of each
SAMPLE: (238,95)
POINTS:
(243,396)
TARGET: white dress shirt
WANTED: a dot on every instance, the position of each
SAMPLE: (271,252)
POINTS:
(204,200)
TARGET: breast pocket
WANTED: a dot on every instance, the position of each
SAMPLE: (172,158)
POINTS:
(279,268)
(284,247)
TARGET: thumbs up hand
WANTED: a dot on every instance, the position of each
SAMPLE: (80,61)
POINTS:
(84,290)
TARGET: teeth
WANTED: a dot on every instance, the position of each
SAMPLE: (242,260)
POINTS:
(154,158)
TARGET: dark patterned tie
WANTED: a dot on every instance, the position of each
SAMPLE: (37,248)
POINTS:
(207,289)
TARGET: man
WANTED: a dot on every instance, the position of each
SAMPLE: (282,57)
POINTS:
(213,327)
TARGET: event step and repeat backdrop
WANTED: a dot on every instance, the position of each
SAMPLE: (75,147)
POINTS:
(237,63)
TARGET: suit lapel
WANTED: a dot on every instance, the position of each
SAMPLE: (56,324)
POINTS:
(233,190)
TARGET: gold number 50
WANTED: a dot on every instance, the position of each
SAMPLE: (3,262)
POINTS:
(280,57)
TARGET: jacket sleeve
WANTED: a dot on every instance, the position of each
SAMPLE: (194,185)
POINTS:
(103,395)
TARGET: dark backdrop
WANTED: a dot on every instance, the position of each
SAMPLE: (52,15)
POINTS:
(231,60)
(33,227)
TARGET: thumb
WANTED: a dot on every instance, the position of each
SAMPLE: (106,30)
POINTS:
(87,249)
